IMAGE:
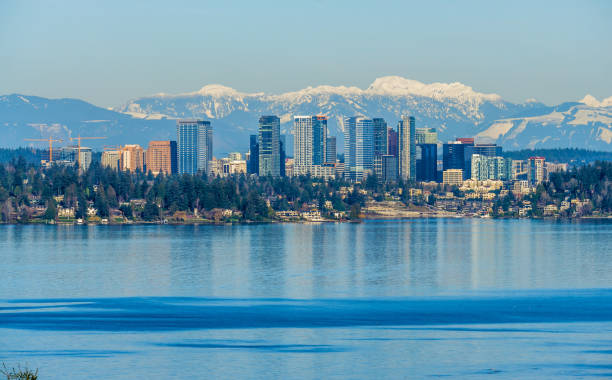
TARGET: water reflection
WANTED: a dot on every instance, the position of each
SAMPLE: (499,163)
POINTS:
(377,258)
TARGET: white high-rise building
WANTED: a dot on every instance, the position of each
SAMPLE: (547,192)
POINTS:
(495,168)
(536,170)
(302,145)
(407,148)
(310,139)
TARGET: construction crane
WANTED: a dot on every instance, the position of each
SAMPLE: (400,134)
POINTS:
(79,138)
(51,140)
(112,147)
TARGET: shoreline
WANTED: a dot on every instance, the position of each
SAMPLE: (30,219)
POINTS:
(363,219)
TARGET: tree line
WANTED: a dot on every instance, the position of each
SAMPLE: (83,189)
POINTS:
(25,185)
(25,188)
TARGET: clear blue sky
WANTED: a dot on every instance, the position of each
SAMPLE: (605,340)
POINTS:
(109,51)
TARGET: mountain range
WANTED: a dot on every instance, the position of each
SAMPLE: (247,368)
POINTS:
(454,109)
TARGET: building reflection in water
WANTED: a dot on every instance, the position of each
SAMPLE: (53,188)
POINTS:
(344,260)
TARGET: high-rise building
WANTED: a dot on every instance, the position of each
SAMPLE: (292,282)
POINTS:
(358,147)
(132,158)
(269,146)
(310,134)
(161,157)
(488,150)
(194,146)
(319,139)
(253,164)
(427,162)
(407,148)
(85,157)
(389,168)
(385,167)
(283,156)
(456,154)
(331,154)
(380,136)
(392,142)
(71,155)
(302,145)
(111,158)
(485,167)
(536,170)
(453,155)
(426,136)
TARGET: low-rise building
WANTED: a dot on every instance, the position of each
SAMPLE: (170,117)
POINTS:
(481,186)
(452,177)
(325,171)
(550,209)
(65,212)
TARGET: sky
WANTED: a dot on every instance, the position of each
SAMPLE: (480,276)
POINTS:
(107,52)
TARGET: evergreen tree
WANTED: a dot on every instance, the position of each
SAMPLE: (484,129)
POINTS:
(127,211)
(51,212)
(101,203)
(81,210)
(150,212)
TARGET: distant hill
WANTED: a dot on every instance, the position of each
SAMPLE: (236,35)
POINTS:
(454,109)
(35,117)
(567,155)
(32,156)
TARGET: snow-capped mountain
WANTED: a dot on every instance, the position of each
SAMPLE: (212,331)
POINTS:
(587,123)
(454,109)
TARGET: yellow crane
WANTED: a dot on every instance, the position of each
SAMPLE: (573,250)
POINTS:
(112,147)
(79,138)
(51,140)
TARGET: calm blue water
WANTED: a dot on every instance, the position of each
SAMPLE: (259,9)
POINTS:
(381,299)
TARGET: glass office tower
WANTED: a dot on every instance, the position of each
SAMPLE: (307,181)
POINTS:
(269,146)
(358,147)
(194,146)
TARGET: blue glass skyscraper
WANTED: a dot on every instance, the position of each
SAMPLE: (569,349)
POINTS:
(269,146)
(358,147)
(194,146)
(253,164)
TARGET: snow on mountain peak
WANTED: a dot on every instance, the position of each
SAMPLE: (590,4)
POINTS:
(319,90)
(590,101)
(217,90)
(399,86)
(384,86)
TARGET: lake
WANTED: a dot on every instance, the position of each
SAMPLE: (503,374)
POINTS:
(417,298)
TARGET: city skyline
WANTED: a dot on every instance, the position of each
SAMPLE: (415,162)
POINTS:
(318,189)
(408,154)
